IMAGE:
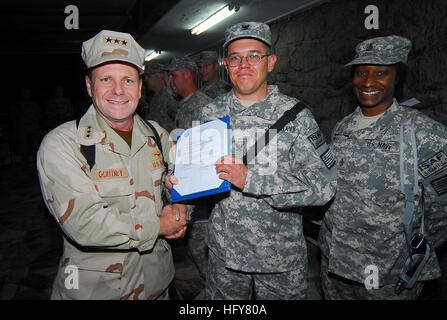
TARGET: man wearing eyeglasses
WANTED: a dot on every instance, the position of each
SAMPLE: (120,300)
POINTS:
(255,234)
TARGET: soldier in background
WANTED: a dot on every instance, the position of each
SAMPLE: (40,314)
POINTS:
(162,106)
(58,109)
(364,226)
(182,75)
(25,117)
(255,235)
(208,68)
(182,79)
(102,180)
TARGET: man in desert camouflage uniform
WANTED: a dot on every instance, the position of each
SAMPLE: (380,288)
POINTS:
(182,71)
(208,68)
(255,235)
(364,225)
(107,200)
(162,105)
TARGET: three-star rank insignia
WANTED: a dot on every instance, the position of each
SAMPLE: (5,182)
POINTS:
(116,41)
(88,133)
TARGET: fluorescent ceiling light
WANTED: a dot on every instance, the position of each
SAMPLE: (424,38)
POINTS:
(152,55)
(214,19)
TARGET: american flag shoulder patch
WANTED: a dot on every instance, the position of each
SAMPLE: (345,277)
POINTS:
(328,158)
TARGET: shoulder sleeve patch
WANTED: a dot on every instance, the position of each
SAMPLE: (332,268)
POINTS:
(328,158)
(433,165)
(440,185)
(316,139)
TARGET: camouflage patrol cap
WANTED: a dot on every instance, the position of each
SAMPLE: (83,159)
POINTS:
(256,30)
(206,56)
(178,63)
(112,46)
(153,68)
(382,50)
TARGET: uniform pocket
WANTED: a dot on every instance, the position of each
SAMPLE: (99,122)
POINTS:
(114,188)
(111,182)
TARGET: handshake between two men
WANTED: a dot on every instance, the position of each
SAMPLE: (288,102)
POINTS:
(174,218)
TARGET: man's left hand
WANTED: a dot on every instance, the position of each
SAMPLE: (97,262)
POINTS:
(233,170)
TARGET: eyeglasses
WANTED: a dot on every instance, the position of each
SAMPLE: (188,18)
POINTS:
(252,59)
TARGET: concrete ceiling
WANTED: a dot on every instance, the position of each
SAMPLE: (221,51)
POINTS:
(37,27)
(172,33)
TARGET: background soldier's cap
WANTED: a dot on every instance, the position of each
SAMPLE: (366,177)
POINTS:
(153,68)
(178,63)
(112,46)
(382,50)
(256,30)
(207,56)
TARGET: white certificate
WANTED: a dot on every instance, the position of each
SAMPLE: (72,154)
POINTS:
(197,150)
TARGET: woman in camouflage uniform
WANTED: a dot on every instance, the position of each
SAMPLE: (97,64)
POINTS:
(362,236)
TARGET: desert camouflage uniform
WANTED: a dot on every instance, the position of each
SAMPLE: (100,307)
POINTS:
(162,109)
(217,88)
(189,109)
(364,226)
(259,230)
(108,213)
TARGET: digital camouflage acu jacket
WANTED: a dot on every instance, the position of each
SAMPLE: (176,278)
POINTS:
(216,89)
(363,226)
(259,229)
(189,109)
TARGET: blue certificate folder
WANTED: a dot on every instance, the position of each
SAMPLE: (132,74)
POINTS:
(198,148)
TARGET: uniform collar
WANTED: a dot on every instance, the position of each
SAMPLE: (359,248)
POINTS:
(387,124)
(92,129)
(237,107)
(393,108)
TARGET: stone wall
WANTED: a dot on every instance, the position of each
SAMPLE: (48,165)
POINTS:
(313,46)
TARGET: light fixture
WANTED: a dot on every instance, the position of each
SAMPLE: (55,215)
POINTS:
(214,19)
(151,54)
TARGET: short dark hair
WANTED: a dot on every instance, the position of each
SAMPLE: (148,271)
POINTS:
(89,72)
